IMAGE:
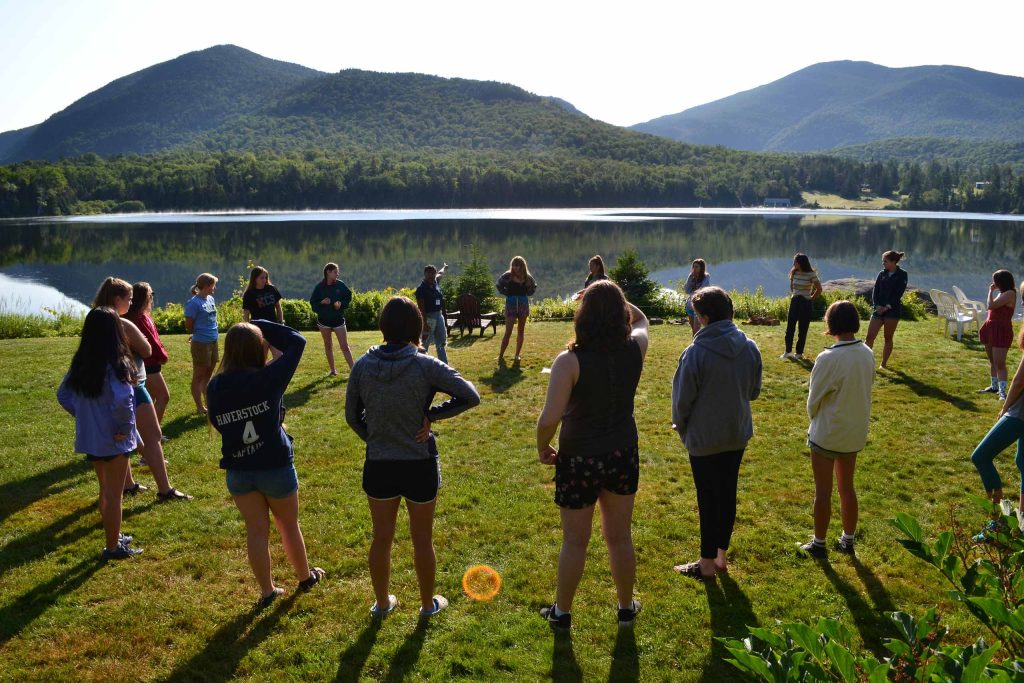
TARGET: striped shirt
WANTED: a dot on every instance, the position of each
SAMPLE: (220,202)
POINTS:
(802,284)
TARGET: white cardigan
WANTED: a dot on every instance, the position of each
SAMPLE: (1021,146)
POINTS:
(839,397)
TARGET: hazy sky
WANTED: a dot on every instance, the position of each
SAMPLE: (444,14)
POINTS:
(622,62)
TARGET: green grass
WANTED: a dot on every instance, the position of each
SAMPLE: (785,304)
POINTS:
(182,611)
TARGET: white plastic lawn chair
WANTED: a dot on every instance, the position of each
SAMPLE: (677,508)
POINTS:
(952,313)
(979,309)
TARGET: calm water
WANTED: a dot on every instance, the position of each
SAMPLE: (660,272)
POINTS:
(54,258)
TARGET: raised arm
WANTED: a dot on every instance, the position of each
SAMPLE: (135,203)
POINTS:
(291,345)
(641,328)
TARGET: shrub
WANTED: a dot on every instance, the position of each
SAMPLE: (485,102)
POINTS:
(631,274)
(553,309)
(475,279)
(298,314)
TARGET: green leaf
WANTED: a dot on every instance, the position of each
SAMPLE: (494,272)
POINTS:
(943,543)
(994,608)
(908,525)
(879,673)
(842,659)
(976,666)
(807,638)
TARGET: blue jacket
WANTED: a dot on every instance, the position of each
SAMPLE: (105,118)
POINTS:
(98,419)
(245,406)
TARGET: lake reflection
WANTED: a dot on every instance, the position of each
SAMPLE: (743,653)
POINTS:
(376,250)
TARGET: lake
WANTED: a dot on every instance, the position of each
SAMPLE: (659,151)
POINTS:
(60,262)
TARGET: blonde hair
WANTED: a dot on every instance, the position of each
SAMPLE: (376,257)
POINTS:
(244,348)
(203,281)
(519,260)
(110,289)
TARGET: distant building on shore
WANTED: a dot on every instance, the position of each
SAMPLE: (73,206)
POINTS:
(776,202)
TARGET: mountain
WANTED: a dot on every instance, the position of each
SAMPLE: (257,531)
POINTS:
(160,107)
(979,155)
(836,104)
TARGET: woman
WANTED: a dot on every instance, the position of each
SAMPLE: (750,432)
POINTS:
(329,300)
(201,324)
(139,313)
(885,301)
(804,287)
(262,301)
(719,374)
(1008,429)
(997,332)
(698,278)
(839,407)
(517,286)
(98,392)
(245,400)
(595,274)
(117,294)
(591,392)
(388,406)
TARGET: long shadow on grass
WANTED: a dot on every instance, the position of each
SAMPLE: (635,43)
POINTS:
(229,645)
(404,660)
(18,495)
(354,658)
(625,658)
(925,390)
(183,424)
(300,396)
(28,607)
(731,615)
(870,620)
(504,377)
(467,340)
(564,666)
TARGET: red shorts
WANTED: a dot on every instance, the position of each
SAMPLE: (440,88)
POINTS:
(997,334)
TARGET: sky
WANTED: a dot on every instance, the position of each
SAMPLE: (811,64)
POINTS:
(621,62)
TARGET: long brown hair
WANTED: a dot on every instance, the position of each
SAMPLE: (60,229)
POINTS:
(142,297)
(602,319)
(103,345)
(801,264)
(599,261)
(244,349)
(110,289)
(255,273)
(331,265)
(519,260)
(703,272)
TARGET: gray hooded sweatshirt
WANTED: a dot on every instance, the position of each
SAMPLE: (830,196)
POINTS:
(390,391)
(718,376)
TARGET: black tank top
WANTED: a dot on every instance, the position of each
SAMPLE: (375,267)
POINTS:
(599,418)
(514,288)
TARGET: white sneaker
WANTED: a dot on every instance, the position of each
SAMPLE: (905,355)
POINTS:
(786,356)
(799,356)
(440,602)
(379,613)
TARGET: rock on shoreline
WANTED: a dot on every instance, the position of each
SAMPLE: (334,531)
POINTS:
(863,288)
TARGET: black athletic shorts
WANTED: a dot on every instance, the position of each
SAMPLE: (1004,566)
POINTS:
(153,369)
(579,479)
(415,480)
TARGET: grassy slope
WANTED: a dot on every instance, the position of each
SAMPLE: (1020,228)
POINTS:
(833,201)
(182,610)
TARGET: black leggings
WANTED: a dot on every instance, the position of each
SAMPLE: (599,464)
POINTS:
(800,310)
(715,477)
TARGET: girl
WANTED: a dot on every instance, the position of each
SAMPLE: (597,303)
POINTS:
(595,274)
(839,406)
(885,300)
(387,405)
(201,324)
(117,294)
(517,286)
(804,286)
(245,400)
(699,277)
(97,391)
(997,332)
(139,314)
(590,393)
(329,300)
(262,301)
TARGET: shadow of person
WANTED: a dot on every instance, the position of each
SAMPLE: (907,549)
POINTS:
(353,659)
(301,395)
(25,609)
(564,667)
(405,658)
(869,620)
(625,658)
(504,377)
(232,641)
(18,495)
(925,390)
(731,616)
(183,423)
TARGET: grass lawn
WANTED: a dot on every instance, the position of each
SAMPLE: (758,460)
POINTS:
(834,201)
(182,610)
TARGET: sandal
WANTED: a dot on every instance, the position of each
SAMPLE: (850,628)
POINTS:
(132,490)
(316,575)
(172,494)
(267,600)
(692,569)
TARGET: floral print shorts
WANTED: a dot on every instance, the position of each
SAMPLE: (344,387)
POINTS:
(579,479)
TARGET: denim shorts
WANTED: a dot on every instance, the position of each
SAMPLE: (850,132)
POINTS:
(279,482)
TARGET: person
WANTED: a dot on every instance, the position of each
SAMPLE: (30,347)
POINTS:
(591,393)
(329,300)
(719,374)
(98,392)
(201,324)
(885,301)
(1008,429)
(388,405)
(517,286)
(139,313)
(430,301)
(261,300)
(839,407)
(118,295)
(698,278)
(997,332)
(804,287)
(596,273)
(245,399)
